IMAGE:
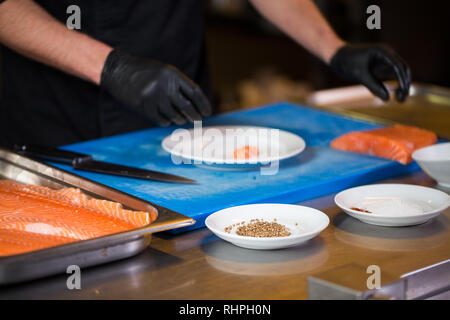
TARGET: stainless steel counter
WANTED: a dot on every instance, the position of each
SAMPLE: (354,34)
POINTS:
(198,265)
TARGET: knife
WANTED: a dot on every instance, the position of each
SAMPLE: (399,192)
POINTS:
(85,162)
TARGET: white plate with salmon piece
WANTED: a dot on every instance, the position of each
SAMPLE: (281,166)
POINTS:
(232,145)
(393,205)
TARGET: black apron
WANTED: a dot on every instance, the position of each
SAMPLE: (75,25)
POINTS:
(42,105)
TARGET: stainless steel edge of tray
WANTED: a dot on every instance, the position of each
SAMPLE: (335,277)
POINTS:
(86,253)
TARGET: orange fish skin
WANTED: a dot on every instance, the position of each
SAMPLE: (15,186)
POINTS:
(396,142)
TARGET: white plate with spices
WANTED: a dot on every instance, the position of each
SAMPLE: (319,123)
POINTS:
(393,205)
(267,226)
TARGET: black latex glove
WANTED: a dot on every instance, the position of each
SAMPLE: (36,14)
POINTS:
(158,91)
(370,65)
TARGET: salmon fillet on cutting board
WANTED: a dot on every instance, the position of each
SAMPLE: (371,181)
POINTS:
(396,142)
(34,217)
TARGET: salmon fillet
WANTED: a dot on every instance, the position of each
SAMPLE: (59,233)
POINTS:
(66,215)
(15,242)
(245,153)
(74,196)
(396,142)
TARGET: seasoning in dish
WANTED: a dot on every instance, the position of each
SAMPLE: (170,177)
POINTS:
(360,210)
(259,229)
(393,206)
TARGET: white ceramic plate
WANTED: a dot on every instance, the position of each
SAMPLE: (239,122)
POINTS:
(216,145)
(304,223)
(435,161)
(433,201)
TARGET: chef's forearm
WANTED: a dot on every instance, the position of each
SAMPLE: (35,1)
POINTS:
(302,20)
(27,28)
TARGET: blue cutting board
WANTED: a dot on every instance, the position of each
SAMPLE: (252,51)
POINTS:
(317,171)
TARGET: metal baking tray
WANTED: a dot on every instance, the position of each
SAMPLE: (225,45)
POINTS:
(86,253)
(428,106)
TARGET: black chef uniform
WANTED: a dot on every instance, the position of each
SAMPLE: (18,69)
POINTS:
(42,105)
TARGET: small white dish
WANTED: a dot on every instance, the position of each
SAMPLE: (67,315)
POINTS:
(430,200)
(216,145)
(435,161)
(303,223)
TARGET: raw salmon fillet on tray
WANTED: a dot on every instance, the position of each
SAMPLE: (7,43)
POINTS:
(396,142)
(34,217)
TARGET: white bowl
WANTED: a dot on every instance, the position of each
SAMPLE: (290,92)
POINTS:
(304,223)
(436,201)
(435,161)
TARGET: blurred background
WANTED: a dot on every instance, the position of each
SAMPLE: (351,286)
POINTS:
(252,63)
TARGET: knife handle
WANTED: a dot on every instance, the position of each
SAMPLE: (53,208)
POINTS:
(51,154)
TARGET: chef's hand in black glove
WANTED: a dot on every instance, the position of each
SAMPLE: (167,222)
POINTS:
(370,65)
(156,90)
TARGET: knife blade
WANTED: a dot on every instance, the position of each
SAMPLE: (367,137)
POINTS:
(85,162)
